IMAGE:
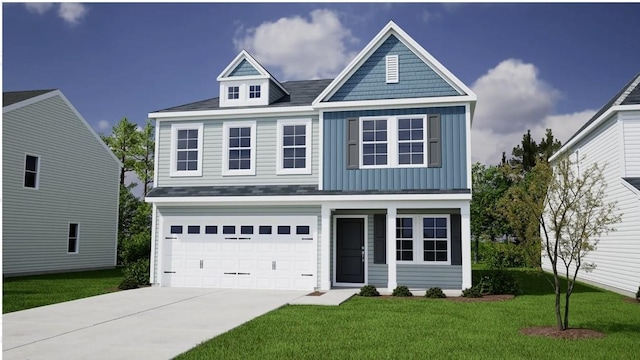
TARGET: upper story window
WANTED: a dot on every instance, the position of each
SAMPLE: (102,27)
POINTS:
(395,141)
(254,91)
(239,150)
(294,147)
(233,92)
(424,239)
(31,171)
(186,149)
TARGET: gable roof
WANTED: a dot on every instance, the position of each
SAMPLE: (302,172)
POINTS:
(393,29)
(14,97)
(239,59)
(300,93)
(24,98)
(628,95)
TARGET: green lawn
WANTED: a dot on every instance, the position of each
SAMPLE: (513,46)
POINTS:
(375,328)
(27,292)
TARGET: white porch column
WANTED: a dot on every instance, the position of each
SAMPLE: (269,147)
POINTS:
(466,245)
(391,248)
(325,249)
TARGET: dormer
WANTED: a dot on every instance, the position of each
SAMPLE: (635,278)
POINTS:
(244,82)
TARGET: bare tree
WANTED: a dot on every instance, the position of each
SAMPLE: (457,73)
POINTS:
(572,212)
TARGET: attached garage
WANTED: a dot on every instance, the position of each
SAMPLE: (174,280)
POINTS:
(243,252)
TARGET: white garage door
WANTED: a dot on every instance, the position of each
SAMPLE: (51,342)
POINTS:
(252,252)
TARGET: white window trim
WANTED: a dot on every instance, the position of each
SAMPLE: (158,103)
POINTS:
(249,98)
(392,77)
(392,141)
(418,240)
(77,238)
(173,172)
(280,170)
(225,148)
(228,91)
(24,171)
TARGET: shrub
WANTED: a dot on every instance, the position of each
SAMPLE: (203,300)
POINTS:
(135,248)
(127,284)
(499,282)
(638,294)
(434,293)
(504,255)
(401,291)
(137,272)
(472,292)
(369,290)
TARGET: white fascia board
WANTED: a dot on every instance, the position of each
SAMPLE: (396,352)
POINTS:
(225,113)
(462,100)
(240,79)
(51,94)
(630,187)
(599,121)
(392,29)
(353,200)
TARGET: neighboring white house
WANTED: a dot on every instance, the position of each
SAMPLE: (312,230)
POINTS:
(361,179)
(60,186)
(612,138)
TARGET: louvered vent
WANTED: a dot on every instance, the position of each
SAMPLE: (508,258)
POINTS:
(392,69)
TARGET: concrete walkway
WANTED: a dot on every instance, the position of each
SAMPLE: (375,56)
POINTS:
(333,297)
(149,323)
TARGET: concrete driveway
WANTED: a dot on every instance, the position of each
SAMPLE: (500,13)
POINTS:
(148,323)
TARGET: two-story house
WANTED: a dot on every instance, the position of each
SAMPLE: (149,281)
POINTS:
(60,186)
(611,139)
(361,179)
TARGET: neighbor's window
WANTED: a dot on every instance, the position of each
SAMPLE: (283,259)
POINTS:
(72,242)
(239,148)
(186,150)
(31,168)
(233,92)
(294,146)
(254,91)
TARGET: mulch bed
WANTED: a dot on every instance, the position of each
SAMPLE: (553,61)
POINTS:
(631,300)
(316,293)
(484,298)
(554,332)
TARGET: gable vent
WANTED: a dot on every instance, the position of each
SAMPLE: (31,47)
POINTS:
(392,69)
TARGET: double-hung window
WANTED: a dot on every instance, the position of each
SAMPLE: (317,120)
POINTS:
(294,147)
(423,239)
(186,149)
(239,149)
(31,170)
(393,141)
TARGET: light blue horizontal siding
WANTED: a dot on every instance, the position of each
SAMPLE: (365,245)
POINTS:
(452,174)
(244,69)
(417,79)
(428,276)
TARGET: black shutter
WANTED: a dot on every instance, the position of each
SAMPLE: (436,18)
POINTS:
(380,239)
(434,145)
(456,239)
(353,156)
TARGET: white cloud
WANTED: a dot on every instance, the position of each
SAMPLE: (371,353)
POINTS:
(313,48)
(511,100)
(103,125)
(428,16)
(38,8)
(72,13)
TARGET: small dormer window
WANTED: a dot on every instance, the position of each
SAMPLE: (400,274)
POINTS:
(254,91)
(233,93)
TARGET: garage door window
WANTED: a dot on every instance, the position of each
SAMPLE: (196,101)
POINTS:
(265,230)
(246,230)
(210,229)
(193,229)
(228,229)
(302,230)
(284,230)
(176,229)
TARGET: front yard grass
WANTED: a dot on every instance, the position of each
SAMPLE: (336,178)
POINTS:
(375,328)
(27,292)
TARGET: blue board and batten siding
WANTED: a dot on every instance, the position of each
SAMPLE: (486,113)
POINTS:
(452,174)
(417,79)
(244,69)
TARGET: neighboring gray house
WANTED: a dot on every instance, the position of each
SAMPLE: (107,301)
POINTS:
(612,138)
(60,186)
(313,184)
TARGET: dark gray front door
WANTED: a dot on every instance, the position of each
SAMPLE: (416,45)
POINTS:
(350,250)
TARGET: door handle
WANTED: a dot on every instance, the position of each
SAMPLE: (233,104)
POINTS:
(169,272)
(201,263)
(362,255)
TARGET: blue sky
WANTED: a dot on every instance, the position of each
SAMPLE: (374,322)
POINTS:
(532,66)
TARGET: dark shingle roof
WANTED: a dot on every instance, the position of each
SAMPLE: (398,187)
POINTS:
(628,95)
(634,181)
(12,97)
(302,93)
(276,190)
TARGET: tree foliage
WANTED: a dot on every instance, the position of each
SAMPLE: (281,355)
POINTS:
(571,212)
(123,141)
(143,155)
